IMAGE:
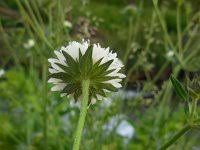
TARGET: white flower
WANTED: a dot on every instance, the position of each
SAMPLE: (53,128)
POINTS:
(2,72)
(68,24)
(125,129)
(79,61)
(170,53)
(29,44)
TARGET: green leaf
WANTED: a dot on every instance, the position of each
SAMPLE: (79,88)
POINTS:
(180,90)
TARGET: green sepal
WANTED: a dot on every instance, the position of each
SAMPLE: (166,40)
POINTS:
(97,63)
(61,75)
(85,61)
(77,94)
(106,86)
(94,91)
(80,54)
(102,68)
(104,78)
(65,68)
(70,88)
(70,61)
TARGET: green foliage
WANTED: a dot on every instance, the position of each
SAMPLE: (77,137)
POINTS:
(142,33)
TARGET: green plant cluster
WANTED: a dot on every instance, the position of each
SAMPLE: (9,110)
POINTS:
(155,39)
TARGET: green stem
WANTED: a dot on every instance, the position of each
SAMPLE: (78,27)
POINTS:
(45,103)
(85,92)
(193,109)
(178,24)
(176,137)
(163,24)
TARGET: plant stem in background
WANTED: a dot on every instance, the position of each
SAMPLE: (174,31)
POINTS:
(163,24)
(193,109)
(85,93)
(178,24)
(44,78)
(176,137)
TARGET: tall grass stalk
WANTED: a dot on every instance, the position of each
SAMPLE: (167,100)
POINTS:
(163,24)
(45,104)
(133,31)
(178,24)
(8,45)
(33,22)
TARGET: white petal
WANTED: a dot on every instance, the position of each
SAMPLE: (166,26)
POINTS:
(52,70)
(58,87)
(120,75)
(84,46)
(99,53)
(93,101)
(115,83)
(54,80)
(115,73)
(53,60)
(60,57)
(99,97)
(116,64)
(63,94)
(107,91)
(57,67)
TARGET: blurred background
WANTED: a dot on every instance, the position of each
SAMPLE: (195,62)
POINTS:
(154,39)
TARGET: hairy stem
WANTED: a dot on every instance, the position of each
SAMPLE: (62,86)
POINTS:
(85,91)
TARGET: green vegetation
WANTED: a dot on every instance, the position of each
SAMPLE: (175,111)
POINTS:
(155,39)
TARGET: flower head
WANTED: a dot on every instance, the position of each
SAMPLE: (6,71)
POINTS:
(2,72)
(29,44)
(80,61)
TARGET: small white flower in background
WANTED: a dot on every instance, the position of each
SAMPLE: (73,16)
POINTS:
(125,129)
(170,53)
(2,72)
(112,123)
(79,61)
(29,44)
(121,126)
(68,24)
